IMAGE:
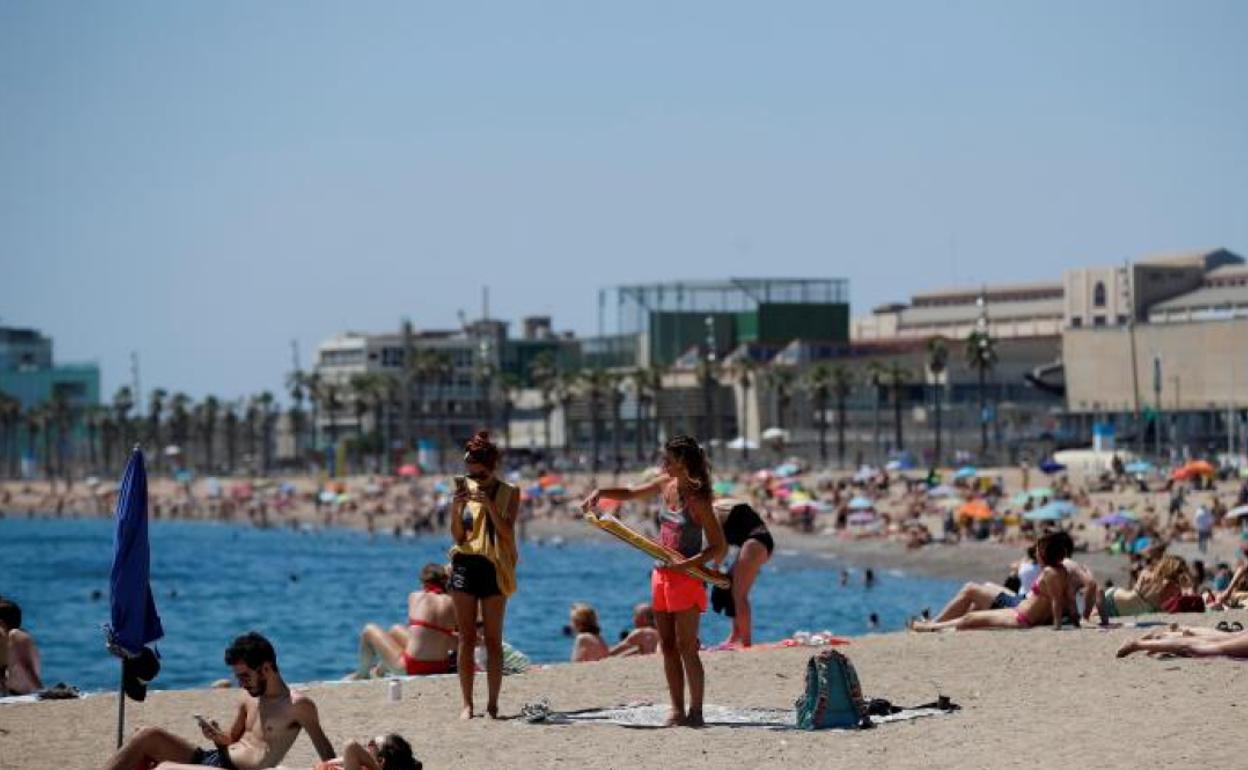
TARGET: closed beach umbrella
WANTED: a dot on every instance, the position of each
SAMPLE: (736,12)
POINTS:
(134,621)
(861,504)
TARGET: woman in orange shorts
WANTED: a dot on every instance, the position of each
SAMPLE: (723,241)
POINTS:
(678,598)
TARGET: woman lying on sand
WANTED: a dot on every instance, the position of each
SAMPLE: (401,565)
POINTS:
(1051,597)
(425,645)
(1191,641)
(1167,578)
(385,752)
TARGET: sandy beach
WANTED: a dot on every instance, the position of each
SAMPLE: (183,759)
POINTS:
(1034,698)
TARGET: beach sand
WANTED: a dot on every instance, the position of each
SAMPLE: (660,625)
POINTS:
(1030,699)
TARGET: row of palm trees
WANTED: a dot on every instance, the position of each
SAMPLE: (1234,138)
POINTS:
(214,434)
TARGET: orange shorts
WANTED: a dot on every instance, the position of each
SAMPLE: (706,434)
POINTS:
(672,591)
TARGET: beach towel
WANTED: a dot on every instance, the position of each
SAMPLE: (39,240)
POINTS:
(653,716)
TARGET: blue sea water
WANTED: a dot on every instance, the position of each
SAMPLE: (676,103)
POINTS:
(310,593)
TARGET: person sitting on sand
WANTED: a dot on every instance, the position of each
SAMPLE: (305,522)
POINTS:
(385,752)
(1189,641)
(425,646)
(266,723)
(644,638)
(1234,594)
(19,655)
(1050,599)
(588,644)
(1155,584)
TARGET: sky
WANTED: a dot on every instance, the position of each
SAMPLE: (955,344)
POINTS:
(204,182)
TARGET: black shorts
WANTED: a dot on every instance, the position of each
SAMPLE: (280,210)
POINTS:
(764,537)
(474,575)
(212,758)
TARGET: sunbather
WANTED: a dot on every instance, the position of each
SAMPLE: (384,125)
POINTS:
(644,638)
(425,646)
(19,655)
(1152,588)
(588,644)
(385,752)
(1050,599)
(1193,641)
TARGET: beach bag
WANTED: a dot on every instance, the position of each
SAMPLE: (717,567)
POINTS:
(833,697)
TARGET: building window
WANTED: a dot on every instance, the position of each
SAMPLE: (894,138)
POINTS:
(1122,320)
(1098,320)
(1098,295)
(1076,321)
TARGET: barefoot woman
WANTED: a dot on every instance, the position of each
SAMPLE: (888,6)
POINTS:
(483,565)
(678,598)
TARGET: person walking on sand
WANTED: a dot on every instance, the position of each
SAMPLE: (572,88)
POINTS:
(679,599)
(266,722)
(483,564)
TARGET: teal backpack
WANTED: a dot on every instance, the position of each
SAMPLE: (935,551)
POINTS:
(833,697)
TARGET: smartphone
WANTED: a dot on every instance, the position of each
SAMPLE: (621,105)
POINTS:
(461,484)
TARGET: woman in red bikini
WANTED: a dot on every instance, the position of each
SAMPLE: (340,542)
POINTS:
(1050,599)
(425,645)
(678,598)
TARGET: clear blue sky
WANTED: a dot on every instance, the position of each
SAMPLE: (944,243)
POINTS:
(204,181)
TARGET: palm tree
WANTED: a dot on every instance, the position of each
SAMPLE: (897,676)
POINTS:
(937,364)
(511,387)
(981,355)
(264,403)
(565,394)
(211,409)
(843,380)
(616,394)
(230,419)
(818,383)
(595,384)
(123,402)
(544,372)
(36,421)
(897,377)
(180,423)
(156,406)
(708,378)
(742,371)
(311,384)
(60,415)
(297,389)
(93,420)
(10,418)
(360,392)
(780,380)
(876,374)
(423,367)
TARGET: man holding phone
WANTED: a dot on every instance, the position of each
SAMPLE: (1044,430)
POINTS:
(266,723)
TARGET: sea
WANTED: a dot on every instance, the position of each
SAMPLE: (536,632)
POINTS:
(312,591)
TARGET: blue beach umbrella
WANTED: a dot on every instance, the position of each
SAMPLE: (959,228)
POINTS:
(966,472)
(1138,466)
(860,504)
(1051,466)
(1054,511)
(135,622)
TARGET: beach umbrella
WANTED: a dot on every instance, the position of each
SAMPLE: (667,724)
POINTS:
(409,469)
(966,472)
(741,442)
(1051,466)
(1237,513)
(1054,511)
(1116,519)
(555,489)
(864,473)
(785,470)
(975,509)
(861,504)
(1138,466)
(550,480)
(775,434)
(134,622)
(943,490)
(1200,468)
(1039,492)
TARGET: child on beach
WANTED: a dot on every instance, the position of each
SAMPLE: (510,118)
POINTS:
(679,599)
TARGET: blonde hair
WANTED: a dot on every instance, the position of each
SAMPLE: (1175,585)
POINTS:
(585,619)
(1163,577)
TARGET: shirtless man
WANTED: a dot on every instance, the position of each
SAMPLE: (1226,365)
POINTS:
(265,726)
(19,656)
(644,638)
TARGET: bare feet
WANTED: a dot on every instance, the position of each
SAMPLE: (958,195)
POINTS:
(492,710)
(674,719)
(694,718)
(466,713)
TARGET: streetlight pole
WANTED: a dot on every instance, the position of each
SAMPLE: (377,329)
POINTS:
(1135,370)
(1157,400)
(709,362)
(981,327)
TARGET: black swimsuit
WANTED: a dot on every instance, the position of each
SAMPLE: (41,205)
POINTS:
(744,523)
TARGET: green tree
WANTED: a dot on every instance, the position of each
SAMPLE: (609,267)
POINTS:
(10,419)
(208,416)
(818,383)
(155,409)
(981,356)
(937,364)
(266,405)
(544,372)
(743,371)
(296,388)
(123,402)
(780,380)
(595,385)
(897,377)
(229,420)
(512,387)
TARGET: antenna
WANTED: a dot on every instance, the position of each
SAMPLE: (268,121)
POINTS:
(294,353)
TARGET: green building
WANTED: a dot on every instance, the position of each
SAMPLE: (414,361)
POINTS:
(663,321)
